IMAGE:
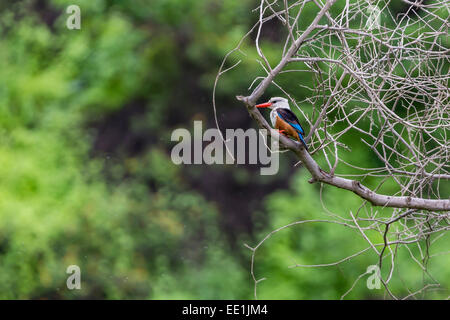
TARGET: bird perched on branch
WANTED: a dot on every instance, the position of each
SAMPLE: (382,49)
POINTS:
(284,119)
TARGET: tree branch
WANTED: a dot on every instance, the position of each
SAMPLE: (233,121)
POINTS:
(319,175)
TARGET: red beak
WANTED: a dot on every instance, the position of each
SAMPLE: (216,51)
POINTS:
(264,105)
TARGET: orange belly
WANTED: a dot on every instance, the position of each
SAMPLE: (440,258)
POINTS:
(288,130)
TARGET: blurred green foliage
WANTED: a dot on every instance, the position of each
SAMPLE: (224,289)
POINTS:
(125,214)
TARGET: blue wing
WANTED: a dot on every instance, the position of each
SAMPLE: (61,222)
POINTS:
(290,117)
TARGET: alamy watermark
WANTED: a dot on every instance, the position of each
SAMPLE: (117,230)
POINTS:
(374,281)
(373,17)
(230,149)
(74,20)
(74,280)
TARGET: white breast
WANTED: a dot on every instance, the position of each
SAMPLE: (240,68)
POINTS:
(273,117)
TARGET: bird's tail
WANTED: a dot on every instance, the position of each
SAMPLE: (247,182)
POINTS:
(303,142)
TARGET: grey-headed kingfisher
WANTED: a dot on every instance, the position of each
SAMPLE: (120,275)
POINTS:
(284,119)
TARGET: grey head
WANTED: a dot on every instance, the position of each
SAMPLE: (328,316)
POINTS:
(279,102)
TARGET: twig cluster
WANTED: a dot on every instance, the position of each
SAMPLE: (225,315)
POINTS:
(381,77)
